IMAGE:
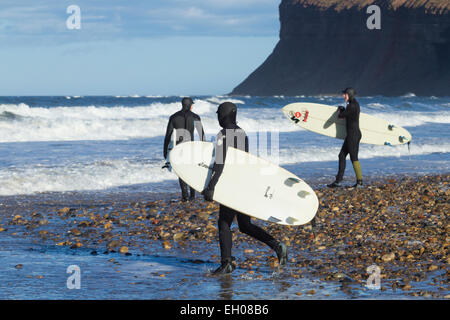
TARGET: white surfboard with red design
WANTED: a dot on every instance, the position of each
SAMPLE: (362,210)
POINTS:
(323,119)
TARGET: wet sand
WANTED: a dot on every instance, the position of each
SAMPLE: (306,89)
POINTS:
(399,225)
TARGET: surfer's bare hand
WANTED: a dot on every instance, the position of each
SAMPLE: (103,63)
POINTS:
(166,165)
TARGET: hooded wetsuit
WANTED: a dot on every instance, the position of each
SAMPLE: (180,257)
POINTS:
(184,121)
(233,136)
(351,142)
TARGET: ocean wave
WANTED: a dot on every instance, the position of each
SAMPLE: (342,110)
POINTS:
(221,99)
(413,119)
(322,154)
(20,122)
(9,116)
(99,175)
(108,174)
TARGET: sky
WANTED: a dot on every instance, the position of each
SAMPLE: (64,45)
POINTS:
(117,47)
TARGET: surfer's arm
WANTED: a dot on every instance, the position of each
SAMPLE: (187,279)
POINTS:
(199,127)
(219,162)
(169,132)
(217,169)
(215,175)
(346,112)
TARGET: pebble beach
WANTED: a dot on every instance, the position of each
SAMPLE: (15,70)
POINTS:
(399,226)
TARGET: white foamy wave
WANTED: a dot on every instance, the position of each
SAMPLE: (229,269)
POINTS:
(89,123)
(221,99)
(20,123)
(321,154)
(376,106)
(24,123)
(413,119)
(99,175)
(110,174)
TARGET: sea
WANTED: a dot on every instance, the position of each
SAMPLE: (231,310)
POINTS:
(101,147)
(114,144)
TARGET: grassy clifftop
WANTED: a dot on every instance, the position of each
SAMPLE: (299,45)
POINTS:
(430,6)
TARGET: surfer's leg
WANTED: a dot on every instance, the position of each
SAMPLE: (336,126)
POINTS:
(340,175)
(226,216)
(247,227)
(184,190)
(354,148)
(342,162)
(192,195)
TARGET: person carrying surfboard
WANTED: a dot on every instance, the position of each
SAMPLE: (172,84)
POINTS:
(351,142)
(184,122)
(233,136)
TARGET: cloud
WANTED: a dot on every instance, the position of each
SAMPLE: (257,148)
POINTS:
(103,19)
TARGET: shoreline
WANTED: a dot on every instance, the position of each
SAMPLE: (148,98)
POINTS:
(400,225)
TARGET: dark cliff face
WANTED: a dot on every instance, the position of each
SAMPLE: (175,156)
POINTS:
(325,49)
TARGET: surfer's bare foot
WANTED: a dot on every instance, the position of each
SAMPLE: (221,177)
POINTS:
(282,254)
(335,184)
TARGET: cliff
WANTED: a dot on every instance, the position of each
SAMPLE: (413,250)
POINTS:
(326,46)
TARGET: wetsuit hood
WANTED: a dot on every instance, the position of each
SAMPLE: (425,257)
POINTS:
(226,113)
(351,93)
(187,103)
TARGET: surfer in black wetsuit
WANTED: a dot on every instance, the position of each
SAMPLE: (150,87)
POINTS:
(351,142)
(184,122)
(233,136)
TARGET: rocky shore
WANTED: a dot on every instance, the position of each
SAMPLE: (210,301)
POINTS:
(399,225)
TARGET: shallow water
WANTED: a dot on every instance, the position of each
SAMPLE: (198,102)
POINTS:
(175,275)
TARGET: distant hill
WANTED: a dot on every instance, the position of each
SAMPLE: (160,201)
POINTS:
(325,45)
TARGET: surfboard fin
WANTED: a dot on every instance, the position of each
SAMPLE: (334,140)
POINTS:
(388,144)
(291,220)
(291,181)
(273,219)
(303,194)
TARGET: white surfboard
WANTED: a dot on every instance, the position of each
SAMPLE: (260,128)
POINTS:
(323,119)
(172,143)
(248,184)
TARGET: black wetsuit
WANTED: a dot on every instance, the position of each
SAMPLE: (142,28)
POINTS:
(351,142)
(184,122)
(232,135)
